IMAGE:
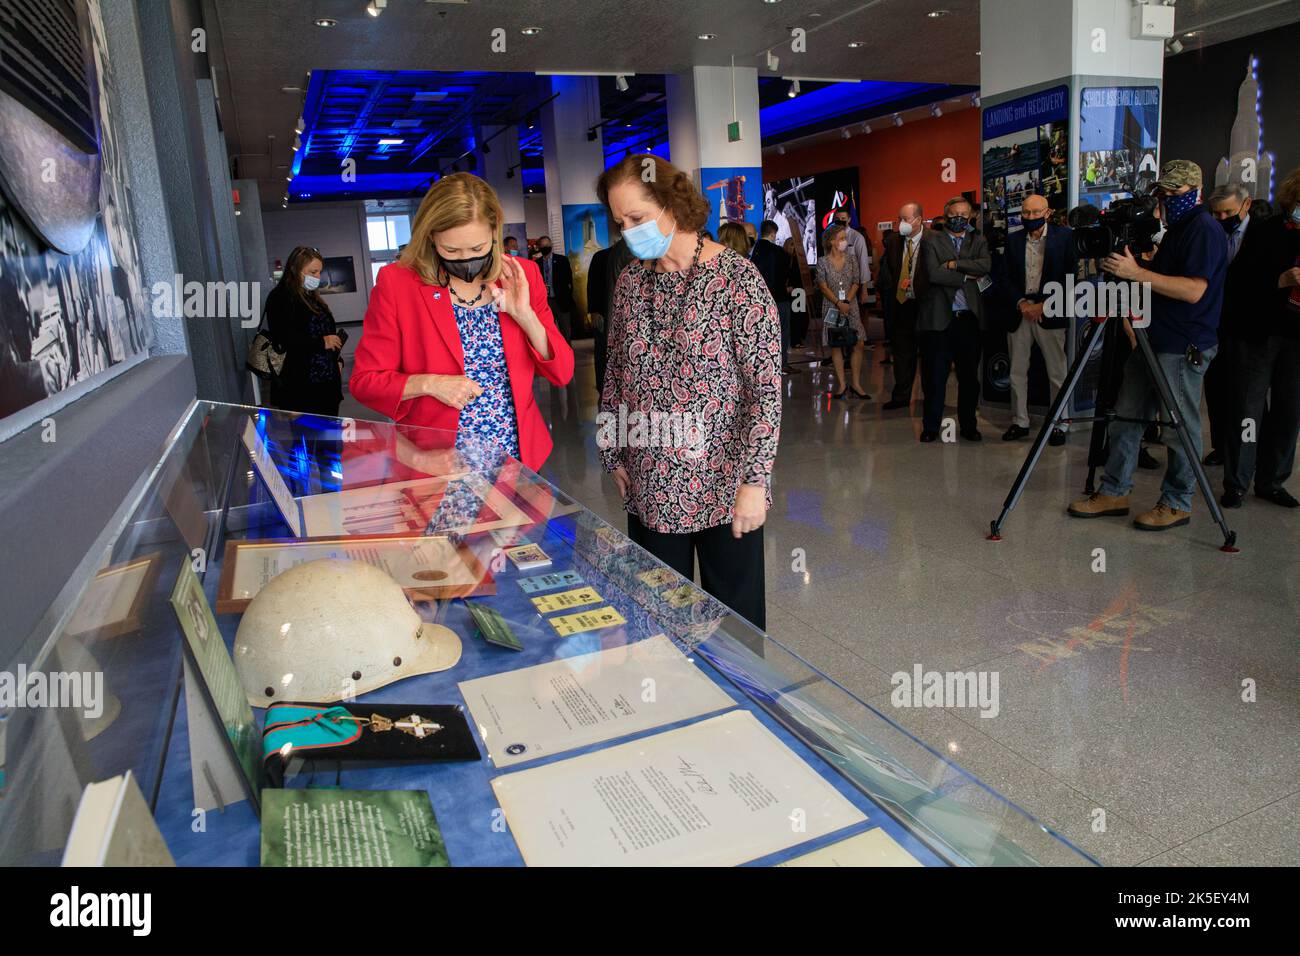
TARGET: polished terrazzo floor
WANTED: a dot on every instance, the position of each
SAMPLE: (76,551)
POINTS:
(1120,690)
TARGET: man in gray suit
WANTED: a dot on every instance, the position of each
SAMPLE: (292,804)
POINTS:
(951,318)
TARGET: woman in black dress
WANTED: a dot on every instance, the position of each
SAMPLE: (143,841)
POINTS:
(302,326)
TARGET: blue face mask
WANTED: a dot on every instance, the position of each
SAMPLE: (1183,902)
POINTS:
(310,283)
(647,241)
(1176,208)
(957,224)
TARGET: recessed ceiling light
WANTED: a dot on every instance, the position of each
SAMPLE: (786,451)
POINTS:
(707,36)
(531,31)
(1192,33)
(979,52)
(325,22)
(936,14)
(854,44)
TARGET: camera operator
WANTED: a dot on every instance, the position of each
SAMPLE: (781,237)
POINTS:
(1186,278)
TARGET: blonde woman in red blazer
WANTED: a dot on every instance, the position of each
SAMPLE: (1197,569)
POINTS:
(453,291)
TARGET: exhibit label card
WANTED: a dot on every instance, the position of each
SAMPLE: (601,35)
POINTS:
(549,582)
(561,705)
(271,477)
(716,793)
(548,603)
(217,669)
(873,848)
(350,828)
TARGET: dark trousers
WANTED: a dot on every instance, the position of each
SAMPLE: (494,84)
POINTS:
(958,344)
(562,318)
(731,569)
(903,347)
(1217,394)
(1264,386)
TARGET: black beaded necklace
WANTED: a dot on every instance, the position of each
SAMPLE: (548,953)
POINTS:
(467,303)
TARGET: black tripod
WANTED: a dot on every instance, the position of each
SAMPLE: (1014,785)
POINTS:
(1105,414)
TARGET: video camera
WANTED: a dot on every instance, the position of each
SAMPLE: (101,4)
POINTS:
(1128,222)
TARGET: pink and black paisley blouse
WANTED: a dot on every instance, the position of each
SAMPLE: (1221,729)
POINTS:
(699,357)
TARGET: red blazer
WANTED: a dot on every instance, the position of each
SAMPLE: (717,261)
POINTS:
(410,329)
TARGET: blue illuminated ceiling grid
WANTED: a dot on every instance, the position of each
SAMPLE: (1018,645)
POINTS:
(349,113)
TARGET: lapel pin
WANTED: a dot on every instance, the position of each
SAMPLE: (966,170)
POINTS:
(437,295)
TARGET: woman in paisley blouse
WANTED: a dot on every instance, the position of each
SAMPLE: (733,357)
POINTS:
(456,331)
(694,375)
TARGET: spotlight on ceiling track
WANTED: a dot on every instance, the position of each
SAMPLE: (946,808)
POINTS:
(866,129)
(297,143)
(299,126)
(773,61)
(376,7)
(620,82)
(898,120)
(975,100)
(1174,46)
(780,151)
(794,89)
(935,111)
(845,134)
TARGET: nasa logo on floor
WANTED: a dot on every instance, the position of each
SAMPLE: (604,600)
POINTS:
(516,749)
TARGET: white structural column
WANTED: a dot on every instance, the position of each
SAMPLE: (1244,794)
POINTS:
(500,147)
(571,160)
(701,106)
(1078,80)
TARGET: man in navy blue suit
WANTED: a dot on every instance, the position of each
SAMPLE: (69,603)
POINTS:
(1036,255)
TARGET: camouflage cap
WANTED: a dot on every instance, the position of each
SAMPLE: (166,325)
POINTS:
(1178,173)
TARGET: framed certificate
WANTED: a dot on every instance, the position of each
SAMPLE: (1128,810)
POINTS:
(114,601)
(428,567)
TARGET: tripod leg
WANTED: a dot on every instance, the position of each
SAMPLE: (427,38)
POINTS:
(1184,436)
(1040,442)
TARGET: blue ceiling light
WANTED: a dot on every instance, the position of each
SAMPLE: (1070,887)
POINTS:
(834,105)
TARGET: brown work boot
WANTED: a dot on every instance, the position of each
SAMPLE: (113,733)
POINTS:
(1162,518)
(1097,505)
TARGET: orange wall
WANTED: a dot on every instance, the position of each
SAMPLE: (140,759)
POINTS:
(896,164)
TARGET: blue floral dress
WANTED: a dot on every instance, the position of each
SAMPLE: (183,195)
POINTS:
(491,416)
(489,420)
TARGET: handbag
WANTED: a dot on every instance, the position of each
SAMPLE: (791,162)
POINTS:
(264,359)
(839,333)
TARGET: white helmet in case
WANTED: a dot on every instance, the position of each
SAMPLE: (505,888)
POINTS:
(332,629)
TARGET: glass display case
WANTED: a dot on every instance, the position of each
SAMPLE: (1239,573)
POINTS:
(623,716)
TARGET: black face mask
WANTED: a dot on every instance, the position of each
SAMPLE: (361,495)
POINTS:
(467,269)
(957,224)
(1032,224)
(544,250)
(1231,223)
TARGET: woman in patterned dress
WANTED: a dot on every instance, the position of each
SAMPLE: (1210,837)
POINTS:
(695,351)
(456,331)
(838,280)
